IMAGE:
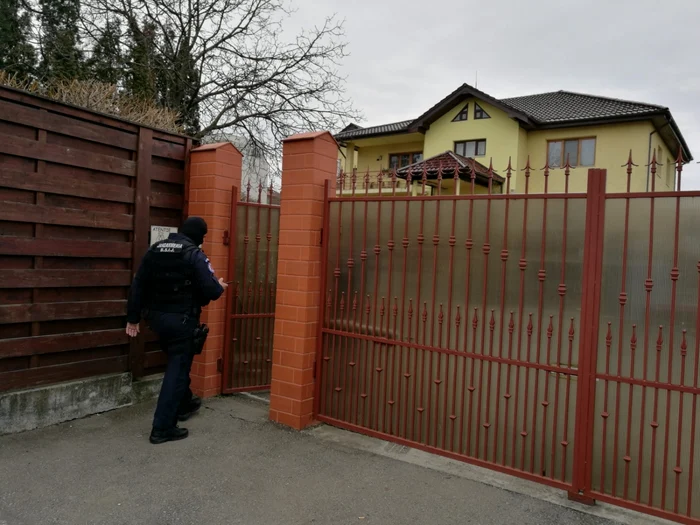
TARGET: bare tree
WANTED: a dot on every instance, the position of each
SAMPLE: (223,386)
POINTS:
(225,68)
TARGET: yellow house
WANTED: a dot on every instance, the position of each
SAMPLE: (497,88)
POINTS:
(590,131)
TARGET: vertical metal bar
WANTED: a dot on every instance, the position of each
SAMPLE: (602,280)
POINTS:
(257,350)
(524,432)
(655,416)
(390,350)
(487,424)
(605,414)
(418,409)
(377,350)
(335,340)
(560,328)
(391,402)
(565,441)
(453,414)
(541,276)
(470,419)
(621,328)
(406,375)
(451,242)
(347,391)
(230,294)
(675,273)
(240,375)
(432,380)
(628,459)
(507,396)
(678,469)
(693,422)
(590,313)
(468,245)
(522,265)
(421,409)
(502,316)
(545,404)
(321,373)
(486,250)
(679,167)
(363,275)
(648,286)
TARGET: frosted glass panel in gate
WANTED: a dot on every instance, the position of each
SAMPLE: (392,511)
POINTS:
(456,367)
(646,389)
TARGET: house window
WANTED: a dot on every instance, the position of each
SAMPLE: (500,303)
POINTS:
(462,115)
(401,160)
(471,148)
(580,152)
(479,112)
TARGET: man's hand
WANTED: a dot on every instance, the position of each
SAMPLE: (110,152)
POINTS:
(132,330)
(223,284)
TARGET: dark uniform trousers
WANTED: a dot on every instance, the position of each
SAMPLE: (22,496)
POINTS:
(175,332)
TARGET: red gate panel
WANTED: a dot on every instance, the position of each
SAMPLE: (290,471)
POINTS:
(451,322)
(251,298)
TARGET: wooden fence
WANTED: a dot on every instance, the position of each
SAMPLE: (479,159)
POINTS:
(78,194)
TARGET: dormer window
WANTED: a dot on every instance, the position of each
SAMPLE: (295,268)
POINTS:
(462,115)
(479,112)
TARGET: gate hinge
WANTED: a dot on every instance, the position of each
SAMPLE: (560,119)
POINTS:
(220,365)
(226,238)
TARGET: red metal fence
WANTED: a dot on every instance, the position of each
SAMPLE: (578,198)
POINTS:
(78,191)
(250,315)
(503,329)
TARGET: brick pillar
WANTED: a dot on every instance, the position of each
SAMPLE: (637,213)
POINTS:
(214,169)
(309,160)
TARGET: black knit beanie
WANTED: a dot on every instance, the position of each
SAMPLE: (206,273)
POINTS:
(195,228)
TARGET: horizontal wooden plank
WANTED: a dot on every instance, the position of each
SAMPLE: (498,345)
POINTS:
(51,344)
(20,212)
(12,145)
(54,374)
(66,109)
(63,278)
(168,150)
(163,135)
(30,313)
(64,248)
(65,125)
(167,200)
(23,180)
(164,174)
(155,359)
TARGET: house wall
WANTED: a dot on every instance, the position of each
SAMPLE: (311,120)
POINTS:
(376,158)
(613,144)
(500,131)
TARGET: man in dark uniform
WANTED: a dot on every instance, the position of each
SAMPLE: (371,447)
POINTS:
(174,281)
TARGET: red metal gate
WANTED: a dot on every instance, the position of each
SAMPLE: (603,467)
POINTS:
(467,325)
(250,310)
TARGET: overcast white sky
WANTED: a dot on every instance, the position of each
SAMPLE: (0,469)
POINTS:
(408,54)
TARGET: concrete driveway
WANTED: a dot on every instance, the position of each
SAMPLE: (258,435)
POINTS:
(236,467)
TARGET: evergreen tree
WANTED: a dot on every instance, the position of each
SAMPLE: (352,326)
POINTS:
(179,80)
(106,63)
(142,62)
(60,45)
(17,55)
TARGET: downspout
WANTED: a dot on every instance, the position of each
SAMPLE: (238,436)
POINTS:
(649,158)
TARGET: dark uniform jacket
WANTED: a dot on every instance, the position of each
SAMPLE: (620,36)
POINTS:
(174,279)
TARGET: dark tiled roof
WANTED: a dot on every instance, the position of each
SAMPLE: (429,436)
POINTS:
(448,162)
(356,132)
(565,106)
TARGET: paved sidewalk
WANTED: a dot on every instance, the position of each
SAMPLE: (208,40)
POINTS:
(236,468)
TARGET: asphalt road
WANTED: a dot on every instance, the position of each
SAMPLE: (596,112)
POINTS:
(236,468)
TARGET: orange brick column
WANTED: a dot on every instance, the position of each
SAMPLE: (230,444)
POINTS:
(214,169)
(309,160)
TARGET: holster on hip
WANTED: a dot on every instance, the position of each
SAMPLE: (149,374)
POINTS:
(199,338)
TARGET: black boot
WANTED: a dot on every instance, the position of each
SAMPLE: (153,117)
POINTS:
(189,409)
(172,434)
